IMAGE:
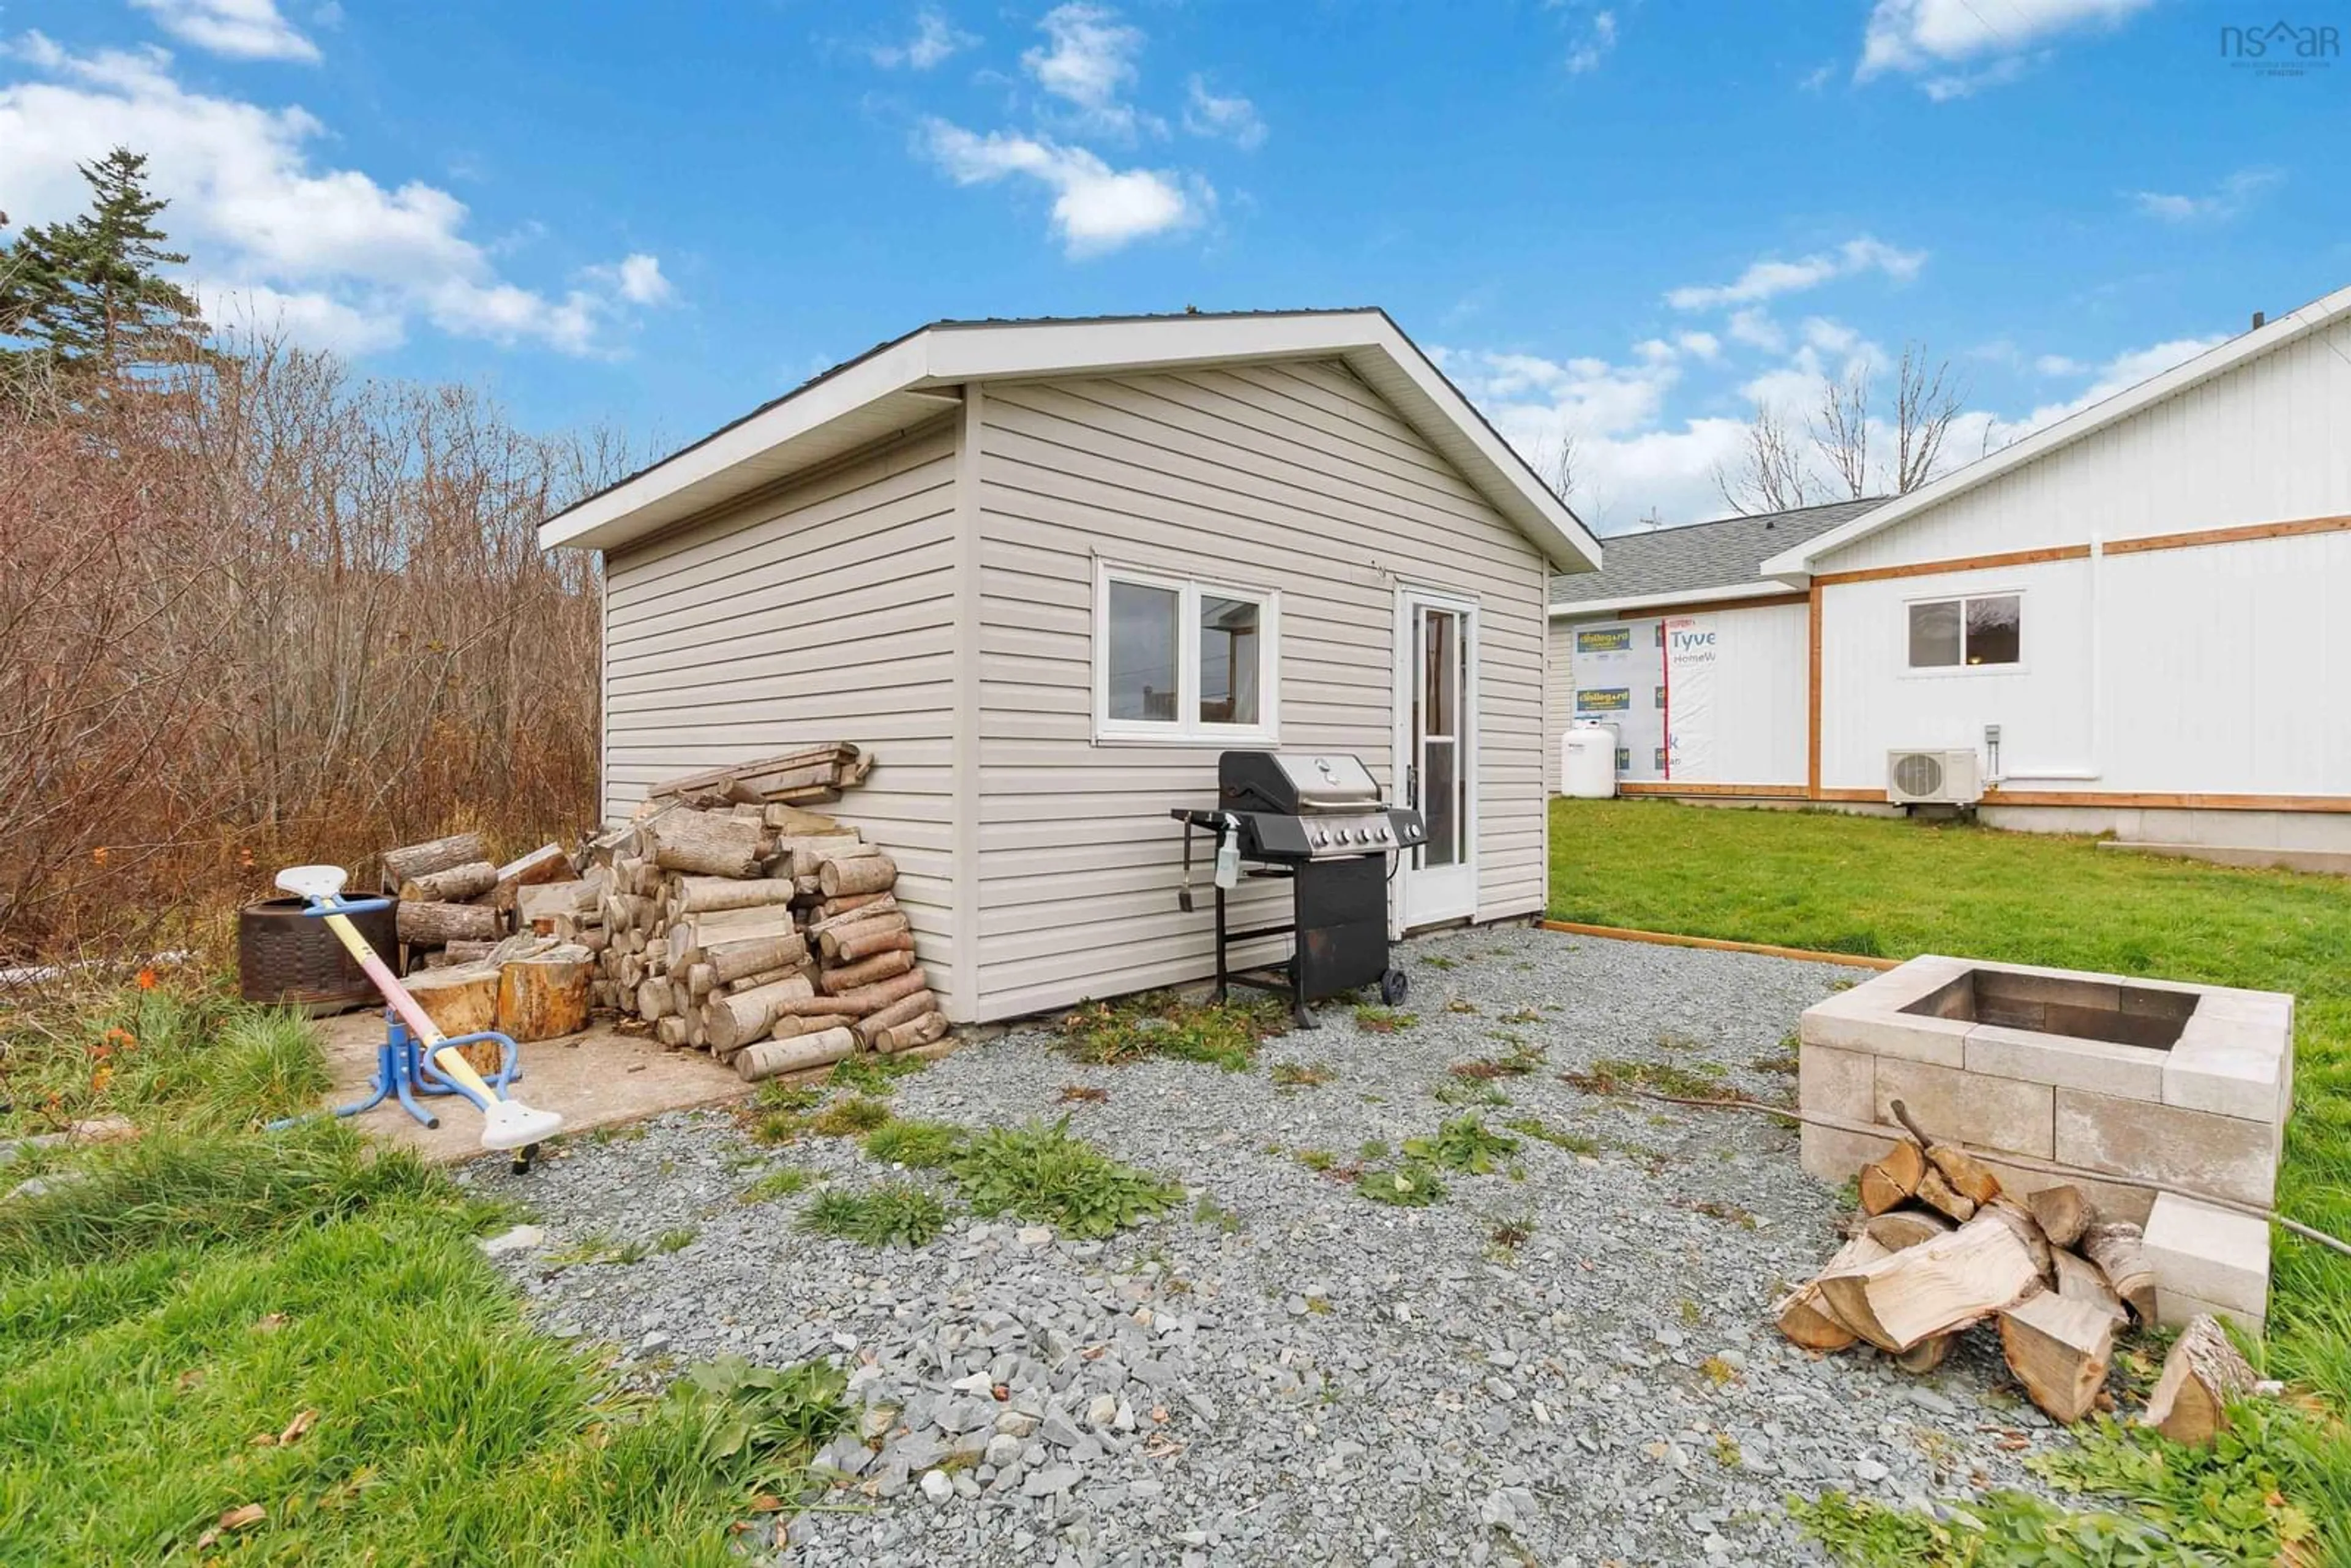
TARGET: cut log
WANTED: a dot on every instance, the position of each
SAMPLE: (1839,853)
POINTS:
(452,884)
(855,909)
(860,924)
(809,853)
(731,1022)
(553,901)
(792,820)
(906,1009)
(2114,1246)
(671,1032)
(652,1000)
(1927,1354)
(907,1036)
(2017,1218)
(733,960)
(851,902)
(1806,1318)
(464,952)
(856,944)
(704,895)
(766,1058)
(544,864)
(2201,1374)
(867,874)
(414,861)
(692,940)
(2079,1279)
(866,998)
(1938,1195)
(881,967)
(2064,1213)
(789,1025)
(1893,1177)
(463,1000)
(543,998)
(1901,1227)
(432,925)
(1966,1174)
(2058,1349)
(1940,1287)
(707,842)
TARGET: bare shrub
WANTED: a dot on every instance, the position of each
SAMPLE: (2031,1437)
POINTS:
(258,612)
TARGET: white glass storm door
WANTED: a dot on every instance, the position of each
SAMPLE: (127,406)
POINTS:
(1436,749)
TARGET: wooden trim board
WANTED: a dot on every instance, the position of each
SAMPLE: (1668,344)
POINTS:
(2195,539)
(1813,693)
(1662,786)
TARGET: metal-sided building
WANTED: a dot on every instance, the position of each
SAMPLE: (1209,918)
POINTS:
(1048,571)
(2132,621)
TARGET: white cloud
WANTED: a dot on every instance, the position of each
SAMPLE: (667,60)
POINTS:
(2060,365)
(1089,62)
(1699,345)
(1228,118)
(637,279)
(1096,208)
(317,321)
(1769,277)
(1756,330)
(1817,79)
(2225,201)
(1940,40)
(936,40)
(324,250)
(1595,44)
(242,29)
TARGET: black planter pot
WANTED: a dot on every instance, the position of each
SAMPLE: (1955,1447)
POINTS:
(288,956)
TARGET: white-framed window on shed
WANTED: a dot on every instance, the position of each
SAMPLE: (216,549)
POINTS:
(1967,632)
(1184,661)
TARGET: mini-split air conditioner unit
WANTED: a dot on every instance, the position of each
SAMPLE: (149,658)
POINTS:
(1933,778)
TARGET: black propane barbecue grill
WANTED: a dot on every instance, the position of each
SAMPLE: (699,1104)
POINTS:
(1320,821)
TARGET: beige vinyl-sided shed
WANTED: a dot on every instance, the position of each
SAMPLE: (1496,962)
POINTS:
(1046,571)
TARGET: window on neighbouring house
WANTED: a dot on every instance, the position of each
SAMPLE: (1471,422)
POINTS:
(1956,634)
(1182,661)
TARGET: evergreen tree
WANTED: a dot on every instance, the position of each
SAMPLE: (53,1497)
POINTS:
(87,296)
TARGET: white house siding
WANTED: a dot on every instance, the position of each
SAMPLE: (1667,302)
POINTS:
(1294,477)
(1758,729)
(1558,696)
(823,611)
(2263,442)
(2219,669)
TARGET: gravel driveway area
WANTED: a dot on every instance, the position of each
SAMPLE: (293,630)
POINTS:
(1284,1371)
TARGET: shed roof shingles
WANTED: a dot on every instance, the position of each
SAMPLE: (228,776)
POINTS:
(1726,553)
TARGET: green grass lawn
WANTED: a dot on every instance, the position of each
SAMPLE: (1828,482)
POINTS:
(1895,889)
(222,1345)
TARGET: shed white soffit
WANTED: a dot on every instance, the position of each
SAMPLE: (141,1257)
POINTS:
(912,380)
(1729,598)
(1795,565)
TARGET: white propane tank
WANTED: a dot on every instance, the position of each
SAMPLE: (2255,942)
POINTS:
(1587,762)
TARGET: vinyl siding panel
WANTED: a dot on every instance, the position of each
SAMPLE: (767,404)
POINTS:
(823,611)
(1294,477)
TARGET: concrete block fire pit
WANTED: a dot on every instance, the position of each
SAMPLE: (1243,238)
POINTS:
(2104,1074)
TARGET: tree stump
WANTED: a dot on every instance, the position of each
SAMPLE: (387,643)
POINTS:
(462,999)
(543,998)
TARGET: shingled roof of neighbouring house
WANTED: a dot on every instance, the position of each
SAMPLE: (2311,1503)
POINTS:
(1723,559)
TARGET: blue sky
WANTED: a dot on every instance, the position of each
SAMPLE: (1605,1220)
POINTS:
(1624,223)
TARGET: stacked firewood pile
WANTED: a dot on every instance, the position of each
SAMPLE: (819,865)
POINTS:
(766,933)
(466,968)
(455,902)
(1938,1248)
